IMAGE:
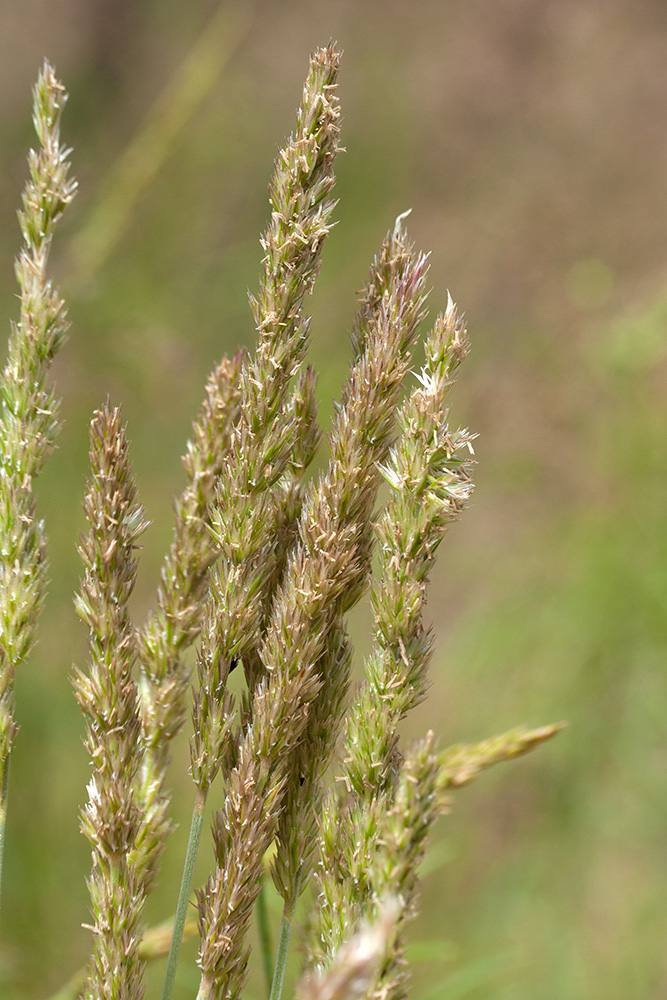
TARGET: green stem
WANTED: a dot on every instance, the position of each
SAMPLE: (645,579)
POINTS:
(4,795)
(283,943)
(264,931)
(184,894)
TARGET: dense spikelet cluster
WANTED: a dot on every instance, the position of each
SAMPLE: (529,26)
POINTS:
(108,697)
(429,472)
(29,418)
(265,564)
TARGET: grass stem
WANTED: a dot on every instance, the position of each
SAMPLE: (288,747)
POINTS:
(4,795)
(264,931)
(184,894)
(284,940)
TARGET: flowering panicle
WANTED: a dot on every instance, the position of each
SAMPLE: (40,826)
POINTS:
(177,620)
(274,437)
(429,471)
(272,442)
(356,966)
(109,700)
(29,418)
(383,844)
(289,497)
(296,834)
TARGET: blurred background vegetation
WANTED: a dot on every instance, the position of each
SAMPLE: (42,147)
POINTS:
(529,138)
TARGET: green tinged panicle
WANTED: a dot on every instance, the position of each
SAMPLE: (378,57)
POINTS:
(373,835)
(391,862)
(429,472)
(29,418)
(431,481)
(174,625)
(384,842)
(172,628)
(109,700)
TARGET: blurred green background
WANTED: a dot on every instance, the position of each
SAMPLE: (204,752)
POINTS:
(529,138)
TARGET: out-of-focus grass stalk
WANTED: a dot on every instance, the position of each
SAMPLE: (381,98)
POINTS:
(29,420)
(355,967)
(145,155)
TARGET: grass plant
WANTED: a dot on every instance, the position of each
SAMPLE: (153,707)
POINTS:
(266,563)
